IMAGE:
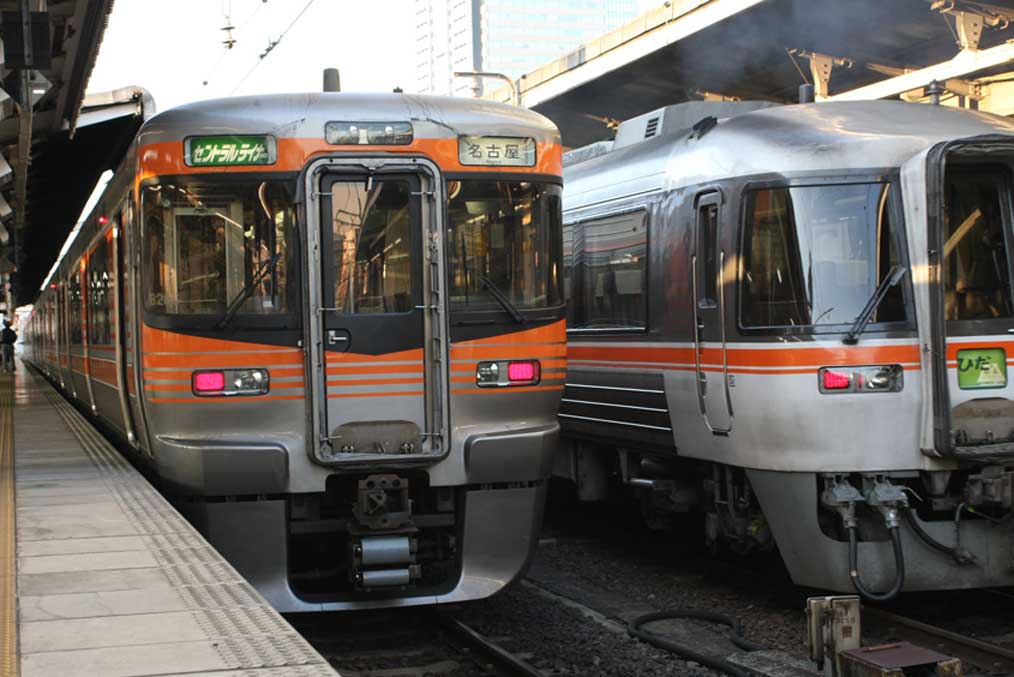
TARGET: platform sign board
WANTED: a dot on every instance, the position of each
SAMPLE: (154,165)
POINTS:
(496,151)
(229,151)
(982,368)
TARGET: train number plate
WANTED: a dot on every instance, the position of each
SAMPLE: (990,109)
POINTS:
(224,151)
(981,368)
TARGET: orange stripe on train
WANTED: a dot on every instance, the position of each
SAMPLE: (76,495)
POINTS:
(749,357)
(167,157)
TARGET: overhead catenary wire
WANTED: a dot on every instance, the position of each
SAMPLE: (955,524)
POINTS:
(272,44)
(239,31)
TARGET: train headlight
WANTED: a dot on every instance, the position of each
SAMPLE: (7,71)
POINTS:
(882,378)
(230,382)
(487,373)
(250,381)
(368,133)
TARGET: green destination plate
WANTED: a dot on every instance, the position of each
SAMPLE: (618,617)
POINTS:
(982,368)
(224,151)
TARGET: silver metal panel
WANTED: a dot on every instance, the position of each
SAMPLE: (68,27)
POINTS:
(303,116)
(789,501)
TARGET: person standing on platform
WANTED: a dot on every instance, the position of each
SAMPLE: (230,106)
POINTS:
(7,339)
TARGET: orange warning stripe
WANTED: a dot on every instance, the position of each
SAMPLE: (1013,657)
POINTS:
(797,360)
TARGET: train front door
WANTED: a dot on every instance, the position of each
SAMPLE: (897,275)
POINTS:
(374,378)
(975,395)
(709,315)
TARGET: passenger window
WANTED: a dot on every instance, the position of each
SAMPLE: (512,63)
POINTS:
(975,270)
(371,235)
(608,275)
(74,294)
(99,292)
(813,255)
(707,258)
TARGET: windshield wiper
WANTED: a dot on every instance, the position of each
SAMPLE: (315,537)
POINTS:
(245,292)
(894,276)
(502,299)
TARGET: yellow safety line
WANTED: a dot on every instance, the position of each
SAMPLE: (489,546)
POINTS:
(9,666)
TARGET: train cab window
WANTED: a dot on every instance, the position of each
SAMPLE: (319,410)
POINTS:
(503,238)
(99,294)
(608,273)
(74,306)
(813,255)
(976,271)
(371,231)
(208,244)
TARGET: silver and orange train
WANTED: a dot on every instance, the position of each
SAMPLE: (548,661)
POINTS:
(798,320)
(332,324)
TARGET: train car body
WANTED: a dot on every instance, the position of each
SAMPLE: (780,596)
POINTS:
(333,325)
(798,320)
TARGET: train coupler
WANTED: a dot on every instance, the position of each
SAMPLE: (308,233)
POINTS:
(384,542)
(383,503)
(384,561)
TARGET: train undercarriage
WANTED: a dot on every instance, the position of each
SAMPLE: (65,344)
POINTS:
(877,533)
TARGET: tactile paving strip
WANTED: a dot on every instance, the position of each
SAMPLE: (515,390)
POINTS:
(246,633)
(8,559)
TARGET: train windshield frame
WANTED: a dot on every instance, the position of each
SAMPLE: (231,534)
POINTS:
(504,245)
(208,240)
(814,252)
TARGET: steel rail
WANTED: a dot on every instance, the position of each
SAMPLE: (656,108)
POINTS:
(971,651)
(505,658)
(9,661)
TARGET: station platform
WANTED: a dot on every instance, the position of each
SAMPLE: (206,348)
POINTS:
(99,575)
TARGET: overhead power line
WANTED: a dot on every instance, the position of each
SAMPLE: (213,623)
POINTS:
(271,45)
(239,31)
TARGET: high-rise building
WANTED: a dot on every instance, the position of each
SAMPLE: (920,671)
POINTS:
(512,37)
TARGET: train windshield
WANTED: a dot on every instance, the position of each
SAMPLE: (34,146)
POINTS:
(503,240)
(209,244)
(813,255)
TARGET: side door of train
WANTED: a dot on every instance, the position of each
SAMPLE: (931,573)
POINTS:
(708,260)
(968,188)
(377,361)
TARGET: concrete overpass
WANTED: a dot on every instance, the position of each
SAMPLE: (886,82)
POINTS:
(765,49)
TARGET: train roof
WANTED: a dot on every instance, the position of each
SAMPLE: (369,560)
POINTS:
(751,138)
(304,116)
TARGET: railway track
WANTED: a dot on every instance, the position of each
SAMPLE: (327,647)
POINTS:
(411,643)
(992,658)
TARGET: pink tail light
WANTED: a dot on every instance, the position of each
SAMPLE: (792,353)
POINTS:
(209,381)
(837,380)
(522,371)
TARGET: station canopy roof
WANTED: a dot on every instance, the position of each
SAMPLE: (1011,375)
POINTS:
(746,49)
(53,157)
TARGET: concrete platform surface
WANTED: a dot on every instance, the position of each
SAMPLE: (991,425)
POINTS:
(110,580)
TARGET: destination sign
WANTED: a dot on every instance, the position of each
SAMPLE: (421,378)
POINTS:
(496,151)
(225,151)
(982,368)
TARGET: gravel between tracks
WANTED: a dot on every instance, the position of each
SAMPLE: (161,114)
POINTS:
(604,548)
(562,641)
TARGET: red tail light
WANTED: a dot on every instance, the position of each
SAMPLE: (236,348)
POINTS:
(837,380)
(209,381)
(523,371)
